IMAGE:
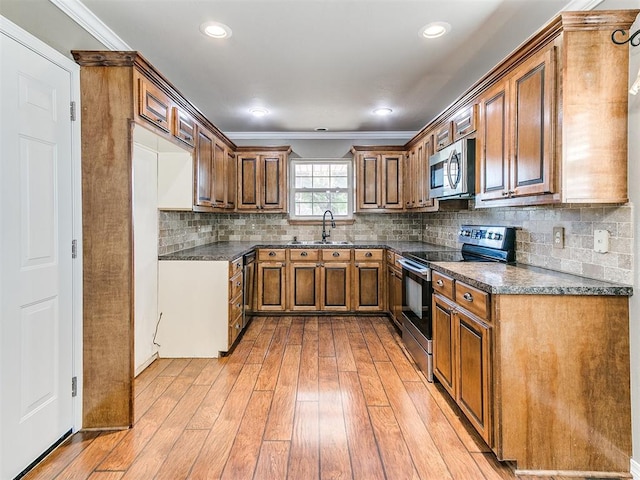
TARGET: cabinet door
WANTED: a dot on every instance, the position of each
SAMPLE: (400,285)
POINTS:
(443,344)
(394,295)
(271,286)
(154,105)
(473,339)
(369,287)
(410,181)
(304,286)
(392,181)
(231,186)
(272,178)
(336,287)
(204,168)
(184,127)
(219,174)
(533,96)
(248,194)
(424,172)
(493,148)
(368,186)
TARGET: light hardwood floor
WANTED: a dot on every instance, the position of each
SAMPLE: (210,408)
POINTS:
(299,398)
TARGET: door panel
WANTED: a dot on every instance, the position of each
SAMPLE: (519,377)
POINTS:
(36,206)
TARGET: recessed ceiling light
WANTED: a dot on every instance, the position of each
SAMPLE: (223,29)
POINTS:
(215,30)
(259,112)
(383,111)
(434,30)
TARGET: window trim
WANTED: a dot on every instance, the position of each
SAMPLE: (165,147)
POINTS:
(311,219)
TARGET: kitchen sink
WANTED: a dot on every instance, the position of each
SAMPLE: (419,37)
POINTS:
(319,242)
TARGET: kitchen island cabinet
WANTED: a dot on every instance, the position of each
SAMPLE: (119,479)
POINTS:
(552,356)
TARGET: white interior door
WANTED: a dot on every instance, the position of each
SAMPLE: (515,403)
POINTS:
(36,218)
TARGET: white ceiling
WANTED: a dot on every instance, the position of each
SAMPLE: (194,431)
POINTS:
(313,63)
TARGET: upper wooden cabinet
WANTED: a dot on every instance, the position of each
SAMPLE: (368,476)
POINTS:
(184,126)
(379,181)
(154,105)
(515,144)
(416,175)
(262,179)
(203,168)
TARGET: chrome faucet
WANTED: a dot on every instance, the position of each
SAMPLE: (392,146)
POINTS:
(326,234)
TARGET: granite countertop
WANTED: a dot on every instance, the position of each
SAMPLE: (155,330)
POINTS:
(520,279)
(227,251)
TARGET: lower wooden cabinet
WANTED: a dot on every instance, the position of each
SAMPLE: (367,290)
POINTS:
(369,280)
(394,288)
(271,278)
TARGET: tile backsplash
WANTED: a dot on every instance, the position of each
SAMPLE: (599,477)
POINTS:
(180,230)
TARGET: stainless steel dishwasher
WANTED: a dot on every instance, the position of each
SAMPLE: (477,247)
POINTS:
(249,275)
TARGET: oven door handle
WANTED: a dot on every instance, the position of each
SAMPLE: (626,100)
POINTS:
(414,267)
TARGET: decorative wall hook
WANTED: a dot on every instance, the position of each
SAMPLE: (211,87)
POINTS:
(634,39)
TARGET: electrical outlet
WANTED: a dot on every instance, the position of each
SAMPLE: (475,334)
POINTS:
(601,241)
(558,237)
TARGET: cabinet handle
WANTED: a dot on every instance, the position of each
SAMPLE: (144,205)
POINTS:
(368,254)
(158,120)
(468,297)
(335,254)
(238,284)
(188,138)
(272,254)
(440,283)
(304,254)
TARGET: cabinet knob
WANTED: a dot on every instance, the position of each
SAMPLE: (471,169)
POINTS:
(304,254)
(468,297)
(440,283)
(272,254)
(368,254)
(238,284)
(335,254)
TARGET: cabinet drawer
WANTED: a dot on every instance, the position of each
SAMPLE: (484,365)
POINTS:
(368,255)
(154,105)
(442,284)
(278,255)
(235,266)
(235,285)
(474,300)
(235,309)
(336,254)
(303,255)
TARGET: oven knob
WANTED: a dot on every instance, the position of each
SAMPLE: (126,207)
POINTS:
(490,235)
(497,236)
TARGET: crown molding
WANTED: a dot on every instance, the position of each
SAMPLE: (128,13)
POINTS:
(392,135)
(84,17)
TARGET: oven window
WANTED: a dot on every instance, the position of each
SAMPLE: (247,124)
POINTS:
(414,296)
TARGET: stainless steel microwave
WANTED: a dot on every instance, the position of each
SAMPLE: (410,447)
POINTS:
(452,170)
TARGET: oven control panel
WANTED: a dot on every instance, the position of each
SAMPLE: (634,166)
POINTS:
(493,236)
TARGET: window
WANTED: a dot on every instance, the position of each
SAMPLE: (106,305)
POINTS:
(321,184)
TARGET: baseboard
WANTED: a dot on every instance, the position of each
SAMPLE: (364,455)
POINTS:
(143,367)
(635,469)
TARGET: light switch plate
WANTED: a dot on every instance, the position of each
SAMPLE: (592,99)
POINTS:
(601,241)
(558,237)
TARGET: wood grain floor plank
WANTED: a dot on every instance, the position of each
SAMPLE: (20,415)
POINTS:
(326,347)
(153,455)
(304,457)
(255,326)
(213,402)
(182,456)
(365,457)
(371,386)
(280,422)
(426,457)
(92,456)
(246,447)
(273,461)
(494,470)
(391,342)
(210,372)
(175,367)
(344,355)
(217,448)
(308,376)
(335,462)
(58,460)
(374,344)
(155,389)
(455,455)
(124,454)
(273,360)
(106,475)
(195,367)
(145,377)
(261,343)
(296,331)
(393,449)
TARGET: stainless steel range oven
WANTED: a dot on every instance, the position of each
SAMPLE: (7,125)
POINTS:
(481,243)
